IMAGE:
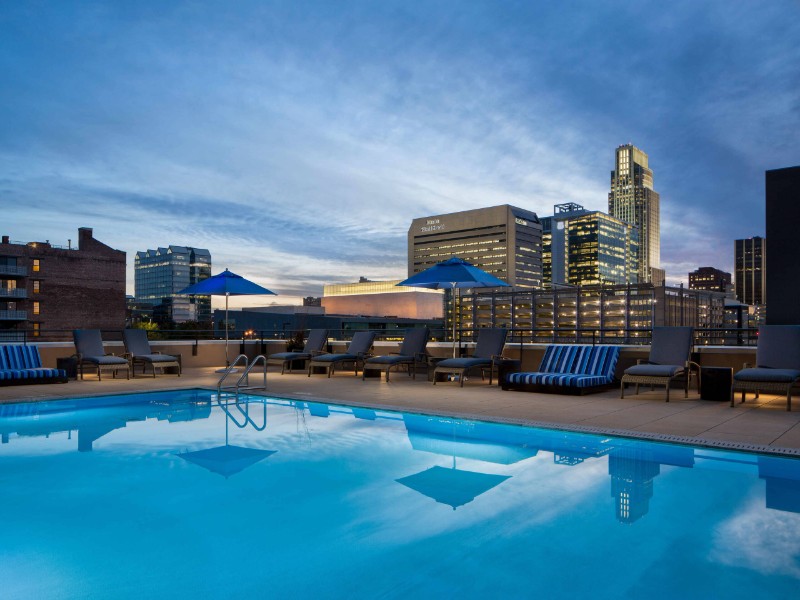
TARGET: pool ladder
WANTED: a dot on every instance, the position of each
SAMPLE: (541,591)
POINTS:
(242,383)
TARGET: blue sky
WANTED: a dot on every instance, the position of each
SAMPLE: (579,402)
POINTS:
(297,140)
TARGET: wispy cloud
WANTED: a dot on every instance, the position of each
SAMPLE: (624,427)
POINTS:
(298,141)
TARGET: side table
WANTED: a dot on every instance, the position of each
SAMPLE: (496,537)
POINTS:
(716,383)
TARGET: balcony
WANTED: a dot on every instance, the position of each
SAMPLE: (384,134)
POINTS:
(13,271)
(13,315)
(12,335)
(13,293)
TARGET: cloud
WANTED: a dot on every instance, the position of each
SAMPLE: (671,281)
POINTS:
(297,142)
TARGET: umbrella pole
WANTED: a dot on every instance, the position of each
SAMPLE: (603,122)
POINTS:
(227,362)
(455,301)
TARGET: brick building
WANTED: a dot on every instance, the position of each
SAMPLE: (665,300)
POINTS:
(47,291)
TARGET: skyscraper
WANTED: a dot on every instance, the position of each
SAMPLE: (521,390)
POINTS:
(160,274)
(584,247)
(750,257)
(633,200)
(504,240)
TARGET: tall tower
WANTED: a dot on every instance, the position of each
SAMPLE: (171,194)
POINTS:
(633,200)
(750,258)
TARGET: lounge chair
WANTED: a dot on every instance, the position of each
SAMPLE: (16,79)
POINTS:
(89,346)
(317,338)
(777,363)
(139,352)
(670,351)
(22,365)
(412,352)
(488,352)
(357,353)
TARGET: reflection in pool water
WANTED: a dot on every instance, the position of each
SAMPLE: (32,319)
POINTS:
(182,495)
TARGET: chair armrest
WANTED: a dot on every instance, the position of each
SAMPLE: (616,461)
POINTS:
(317,352)
(746,365)
(156,352)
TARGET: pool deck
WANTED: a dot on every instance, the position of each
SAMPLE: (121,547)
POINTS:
(761,425)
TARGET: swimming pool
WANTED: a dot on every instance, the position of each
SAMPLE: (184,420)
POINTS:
(173,494)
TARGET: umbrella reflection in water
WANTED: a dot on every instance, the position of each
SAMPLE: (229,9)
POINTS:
(229,459)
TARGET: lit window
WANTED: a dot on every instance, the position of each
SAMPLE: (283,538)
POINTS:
(35,265)
(36,286)
(36,330)
(36,308)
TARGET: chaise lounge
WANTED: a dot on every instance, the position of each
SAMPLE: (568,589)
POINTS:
(138,348)
(20,365)
(777,364)
(89,346)
(569,369)
(412,353)
(357,352)
(670,351)
(488,353)
(317,338)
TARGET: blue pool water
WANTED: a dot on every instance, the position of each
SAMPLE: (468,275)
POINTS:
(172,495)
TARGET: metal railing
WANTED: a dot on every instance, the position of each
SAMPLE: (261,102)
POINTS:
(13,292)
(253,343)
(13,315)
(17,271)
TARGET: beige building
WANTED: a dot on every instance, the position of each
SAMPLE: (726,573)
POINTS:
(504,240)
(382,299)
(633,200)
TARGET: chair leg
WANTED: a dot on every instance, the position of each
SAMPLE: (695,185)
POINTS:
(621,389)
(789,399)
(668,382)
(461,378)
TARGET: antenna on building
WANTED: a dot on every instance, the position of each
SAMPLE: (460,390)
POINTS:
(69,244)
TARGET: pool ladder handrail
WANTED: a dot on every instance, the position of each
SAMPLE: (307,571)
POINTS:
(229,370)
(244,379)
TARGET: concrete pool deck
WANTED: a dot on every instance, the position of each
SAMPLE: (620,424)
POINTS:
(761,425)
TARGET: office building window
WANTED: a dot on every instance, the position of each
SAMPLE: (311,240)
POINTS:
(36,330)
(36,265)
(36,308)
(36,286)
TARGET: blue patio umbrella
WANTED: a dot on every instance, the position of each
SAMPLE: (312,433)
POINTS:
(226,284)
(453,273)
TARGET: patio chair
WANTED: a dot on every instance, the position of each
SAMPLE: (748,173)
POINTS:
(412,353)
(670,351)
(317,338)
(356,353)
(138,348)
(488,353)
(89,348)
(777,364)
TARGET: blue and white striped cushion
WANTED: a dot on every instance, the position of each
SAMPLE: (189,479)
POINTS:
(557,379)
(572,365)
(20,357)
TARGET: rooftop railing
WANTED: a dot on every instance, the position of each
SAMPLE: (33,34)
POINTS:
(564,335)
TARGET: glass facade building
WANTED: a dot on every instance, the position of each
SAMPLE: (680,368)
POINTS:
(633,200)
(582,247)
(160,274)
(750,257)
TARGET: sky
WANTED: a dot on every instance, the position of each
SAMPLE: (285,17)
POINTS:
(297,140)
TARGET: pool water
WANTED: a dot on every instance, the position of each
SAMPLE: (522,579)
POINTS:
(178,495)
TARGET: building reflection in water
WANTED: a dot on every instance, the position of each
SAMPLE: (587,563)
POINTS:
(46,419)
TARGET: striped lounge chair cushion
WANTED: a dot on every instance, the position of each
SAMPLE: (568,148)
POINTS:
(24,363)
(572,365)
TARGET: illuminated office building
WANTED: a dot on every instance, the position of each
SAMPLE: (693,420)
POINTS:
(633,200)
(583,247)
(616,314)
(504,240)
(160,274)
(750,256)
(710,279)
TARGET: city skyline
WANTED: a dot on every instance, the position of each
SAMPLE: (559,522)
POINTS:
(297,142)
